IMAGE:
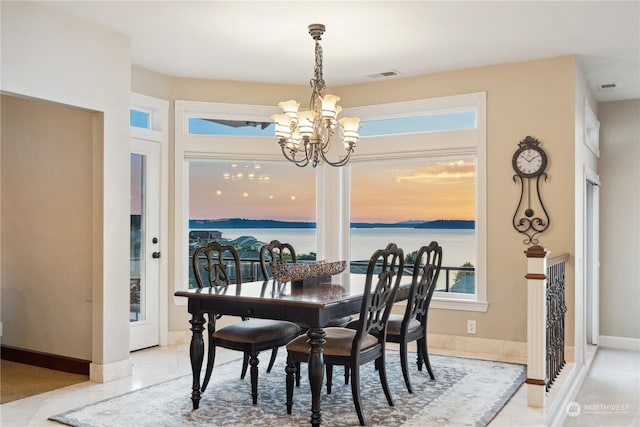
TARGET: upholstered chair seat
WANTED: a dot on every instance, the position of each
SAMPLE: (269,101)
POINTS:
(260,332)
(394,325)
(339,342)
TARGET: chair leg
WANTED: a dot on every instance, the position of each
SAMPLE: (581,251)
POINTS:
(346,375)
(297,374)
(355,391)
(274,354)
(211,357)
(382,371)
(329,369)
(403,363)
(245,365)
(253,361)
(291,369)
(422,348)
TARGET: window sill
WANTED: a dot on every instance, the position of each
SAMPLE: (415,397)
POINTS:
(459,304)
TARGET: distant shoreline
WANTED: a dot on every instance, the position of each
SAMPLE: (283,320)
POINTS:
(239,223)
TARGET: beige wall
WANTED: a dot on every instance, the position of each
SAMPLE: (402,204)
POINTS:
(619,218)
(50,56)
(532,98)
(46,263)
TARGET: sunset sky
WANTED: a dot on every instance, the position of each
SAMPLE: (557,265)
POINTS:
(381,191)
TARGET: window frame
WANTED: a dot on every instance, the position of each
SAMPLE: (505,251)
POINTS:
(438,143)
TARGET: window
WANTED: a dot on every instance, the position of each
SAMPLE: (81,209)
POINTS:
(200,126)
(401,143)
(247,204)
(411,202)
(233,186)
(421,123)
(139,119)
(418,175)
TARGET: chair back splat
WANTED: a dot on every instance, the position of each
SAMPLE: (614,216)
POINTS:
(385,268)
(426,270)
(273,252)
(210,268)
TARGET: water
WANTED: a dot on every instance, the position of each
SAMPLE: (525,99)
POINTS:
(457,245)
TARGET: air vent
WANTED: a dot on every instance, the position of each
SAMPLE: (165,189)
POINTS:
(389,73)
(607,87)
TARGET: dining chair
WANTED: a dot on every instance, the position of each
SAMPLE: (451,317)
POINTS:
(412,326)
(249,336)
(354,347)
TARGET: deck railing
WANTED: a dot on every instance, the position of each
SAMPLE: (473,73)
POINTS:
(449,276)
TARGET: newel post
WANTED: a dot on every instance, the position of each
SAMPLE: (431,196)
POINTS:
(536,325)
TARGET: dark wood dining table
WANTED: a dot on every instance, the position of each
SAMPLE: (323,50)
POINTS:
(313,305)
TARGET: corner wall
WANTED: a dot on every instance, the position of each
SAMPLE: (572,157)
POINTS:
(50,56)
(620,219)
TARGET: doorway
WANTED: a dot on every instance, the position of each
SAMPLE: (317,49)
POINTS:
(145,255)
(592,258)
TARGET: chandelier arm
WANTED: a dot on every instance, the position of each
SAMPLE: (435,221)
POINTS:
(340,162)
(287,154)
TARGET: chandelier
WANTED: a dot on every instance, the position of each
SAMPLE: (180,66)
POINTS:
(306,136)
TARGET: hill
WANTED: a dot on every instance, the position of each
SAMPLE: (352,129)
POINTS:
(455,224)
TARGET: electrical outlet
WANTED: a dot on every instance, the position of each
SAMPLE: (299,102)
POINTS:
(471,326)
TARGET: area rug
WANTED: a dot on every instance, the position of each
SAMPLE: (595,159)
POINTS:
(466,392)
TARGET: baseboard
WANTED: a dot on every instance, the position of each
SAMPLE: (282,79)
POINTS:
(103,373)
(565,394)
(45,360)
(623,343)
(485,348)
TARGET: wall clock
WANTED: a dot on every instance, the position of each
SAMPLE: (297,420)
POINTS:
(530,162)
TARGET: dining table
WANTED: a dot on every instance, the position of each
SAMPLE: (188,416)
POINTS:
(313,304)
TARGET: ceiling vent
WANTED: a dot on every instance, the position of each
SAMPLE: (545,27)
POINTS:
(389,73)
(607,87)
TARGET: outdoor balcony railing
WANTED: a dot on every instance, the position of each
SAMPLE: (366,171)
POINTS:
(452,279)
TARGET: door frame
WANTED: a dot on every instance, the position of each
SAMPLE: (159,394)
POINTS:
(592,239)
(158,131)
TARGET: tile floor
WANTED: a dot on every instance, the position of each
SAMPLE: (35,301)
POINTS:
(609,397)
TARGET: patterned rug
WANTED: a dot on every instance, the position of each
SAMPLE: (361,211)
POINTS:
(466,392)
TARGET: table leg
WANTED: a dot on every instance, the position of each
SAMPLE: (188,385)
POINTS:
(316,371)
(196,353)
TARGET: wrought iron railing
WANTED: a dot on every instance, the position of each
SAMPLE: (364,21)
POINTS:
(556,310)
(251,272)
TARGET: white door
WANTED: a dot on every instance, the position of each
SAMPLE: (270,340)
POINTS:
(145,244)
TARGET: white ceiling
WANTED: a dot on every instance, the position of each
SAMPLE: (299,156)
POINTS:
(267,41)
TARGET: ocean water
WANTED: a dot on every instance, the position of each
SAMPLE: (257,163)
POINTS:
(458,246)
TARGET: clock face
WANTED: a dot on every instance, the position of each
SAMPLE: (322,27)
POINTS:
(529,161)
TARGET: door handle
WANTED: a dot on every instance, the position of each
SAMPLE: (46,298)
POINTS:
(155,255)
